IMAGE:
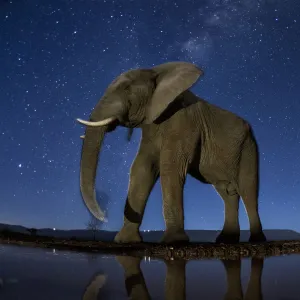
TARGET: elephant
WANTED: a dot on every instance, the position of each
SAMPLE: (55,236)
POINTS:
(181,134)
(175,283)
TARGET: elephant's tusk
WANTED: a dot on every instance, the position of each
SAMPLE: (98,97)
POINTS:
(82,136)
(98,123)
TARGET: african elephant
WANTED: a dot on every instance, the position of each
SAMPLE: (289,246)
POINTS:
(181,134)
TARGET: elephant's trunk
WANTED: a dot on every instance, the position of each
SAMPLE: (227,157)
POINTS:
(89,160)
(108,111)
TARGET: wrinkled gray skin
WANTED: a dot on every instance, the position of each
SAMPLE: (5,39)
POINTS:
(181,134)
(175,283)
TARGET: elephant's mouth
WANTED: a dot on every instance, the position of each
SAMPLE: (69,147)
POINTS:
(112,126)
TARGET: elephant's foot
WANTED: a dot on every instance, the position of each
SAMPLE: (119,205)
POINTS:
(258,237)
(226,237)
(128,235)
(172,237)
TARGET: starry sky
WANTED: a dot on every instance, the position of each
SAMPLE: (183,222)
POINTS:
(57,57)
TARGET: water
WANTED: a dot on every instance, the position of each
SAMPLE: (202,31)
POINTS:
(33,273)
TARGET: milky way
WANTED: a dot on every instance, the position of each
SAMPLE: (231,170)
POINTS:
(57,57)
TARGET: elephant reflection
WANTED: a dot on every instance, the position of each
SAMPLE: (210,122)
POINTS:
(135,282)
(92,290)
(175,279)
(233,276)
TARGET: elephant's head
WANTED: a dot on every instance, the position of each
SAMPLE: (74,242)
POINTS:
(134,98)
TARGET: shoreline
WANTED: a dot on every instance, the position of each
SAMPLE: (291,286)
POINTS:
(187,251)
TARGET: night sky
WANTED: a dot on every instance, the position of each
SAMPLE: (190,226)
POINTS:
(57,57)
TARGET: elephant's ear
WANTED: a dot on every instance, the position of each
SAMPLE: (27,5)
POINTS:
(173,79)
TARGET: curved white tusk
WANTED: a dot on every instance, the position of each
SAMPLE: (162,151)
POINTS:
(98,123)
(82,136)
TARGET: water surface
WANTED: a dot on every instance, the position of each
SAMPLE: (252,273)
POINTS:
(34,273)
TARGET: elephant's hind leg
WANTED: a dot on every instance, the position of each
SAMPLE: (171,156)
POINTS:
(143,175)
(231,229)
(248,188)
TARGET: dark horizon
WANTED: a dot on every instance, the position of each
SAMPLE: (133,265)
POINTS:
(2,226)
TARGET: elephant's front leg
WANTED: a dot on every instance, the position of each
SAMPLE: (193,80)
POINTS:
(143,175)
(172,175)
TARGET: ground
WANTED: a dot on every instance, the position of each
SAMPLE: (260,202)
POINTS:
(169,252)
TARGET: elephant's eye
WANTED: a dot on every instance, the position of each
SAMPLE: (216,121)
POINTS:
(129,91)
(127,88)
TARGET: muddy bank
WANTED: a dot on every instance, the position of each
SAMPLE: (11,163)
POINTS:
(154,250)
